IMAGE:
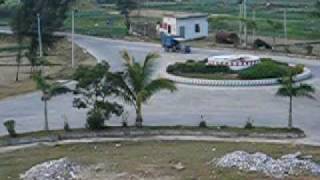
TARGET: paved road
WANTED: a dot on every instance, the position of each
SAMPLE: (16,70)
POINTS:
(220,106)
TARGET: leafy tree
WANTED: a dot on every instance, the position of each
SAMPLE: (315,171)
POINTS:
(125,7)
(2,2)
(48,90)
(52,13)
(95,86)
(290,89)
(19,37)
(137,85)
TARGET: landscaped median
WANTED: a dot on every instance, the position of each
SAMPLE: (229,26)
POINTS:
(118,132)
(267,73)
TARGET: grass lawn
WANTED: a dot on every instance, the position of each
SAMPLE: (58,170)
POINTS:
(149,160)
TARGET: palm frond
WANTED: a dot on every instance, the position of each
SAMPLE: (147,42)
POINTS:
(305,90)
(56,90)
(41,82)
(283,91)
(126,57)
(156,86)
(124,90)
(148,66)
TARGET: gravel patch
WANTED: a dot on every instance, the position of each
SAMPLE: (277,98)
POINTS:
(287,165)
(61,169)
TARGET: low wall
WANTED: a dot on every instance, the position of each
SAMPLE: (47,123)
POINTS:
(307,74)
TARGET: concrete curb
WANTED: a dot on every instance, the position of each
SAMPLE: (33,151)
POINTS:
(160,138)
(307,74)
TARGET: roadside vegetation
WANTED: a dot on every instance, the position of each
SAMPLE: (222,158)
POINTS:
(268,68)
(149,160)
(58,66)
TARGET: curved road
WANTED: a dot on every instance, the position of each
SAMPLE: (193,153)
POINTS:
(220,106)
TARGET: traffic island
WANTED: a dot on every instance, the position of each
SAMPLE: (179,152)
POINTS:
(234,72)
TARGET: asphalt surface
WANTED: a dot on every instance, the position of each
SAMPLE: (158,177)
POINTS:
(218,105)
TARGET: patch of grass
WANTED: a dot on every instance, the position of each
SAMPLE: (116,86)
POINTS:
(137,157)
(98,23)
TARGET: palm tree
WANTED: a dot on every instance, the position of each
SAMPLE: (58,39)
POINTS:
(290,89)
(48,91)
(136,84)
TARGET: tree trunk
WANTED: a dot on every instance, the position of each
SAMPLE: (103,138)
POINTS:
(46,122)
(18,70)
(127,19)
(139,119)
(290,123)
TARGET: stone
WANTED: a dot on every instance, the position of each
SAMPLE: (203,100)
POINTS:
(179,166)
(61,169)
(259,162)
(118,145)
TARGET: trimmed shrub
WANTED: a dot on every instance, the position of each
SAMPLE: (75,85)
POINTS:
(11,127)
(203,124)
(95,120)
(266,69)
(249,125)
(66,127)
(196,67)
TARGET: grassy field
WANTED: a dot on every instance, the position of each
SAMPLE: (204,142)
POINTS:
(92,18)
(297,13)
(148,160)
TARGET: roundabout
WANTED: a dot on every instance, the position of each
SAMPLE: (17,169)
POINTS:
(233,71)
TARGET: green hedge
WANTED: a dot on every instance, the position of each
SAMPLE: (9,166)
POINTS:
(196,67)
(266,69)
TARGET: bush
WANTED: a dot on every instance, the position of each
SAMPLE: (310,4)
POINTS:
(249,124)
(66,127)
(11,127)
(203,124)
(196,67)
(95,120)
(266,69)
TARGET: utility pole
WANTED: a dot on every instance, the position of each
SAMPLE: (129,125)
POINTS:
(72,37)
(254,28)
(285,26)
(39,36)
(245,25)
(240,21)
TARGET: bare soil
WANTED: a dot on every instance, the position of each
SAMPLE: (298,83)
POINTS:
(60,55)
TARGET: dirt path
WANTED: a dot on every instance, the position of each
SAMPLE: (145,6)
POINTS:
(162,138)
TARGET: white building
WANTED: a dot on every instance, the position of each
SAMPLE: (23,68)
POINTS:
(186,26)
(235,62)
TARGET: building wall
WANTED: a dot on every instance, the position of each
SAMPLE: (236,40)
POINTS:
(172,22)
(190,24)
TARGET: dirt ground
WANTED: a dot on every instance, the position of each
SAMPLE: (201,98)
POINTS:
(60,54)
(152,160)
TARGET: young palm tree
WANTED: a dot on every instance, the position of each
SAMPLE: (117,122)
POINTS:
(48,91)
(136,84)
(290,89)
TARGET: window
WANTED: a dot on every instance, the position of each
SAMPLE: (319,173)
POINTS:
(197,28)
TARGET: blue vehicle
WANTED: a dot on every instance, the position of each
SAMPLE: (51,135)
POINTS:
(172,44)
